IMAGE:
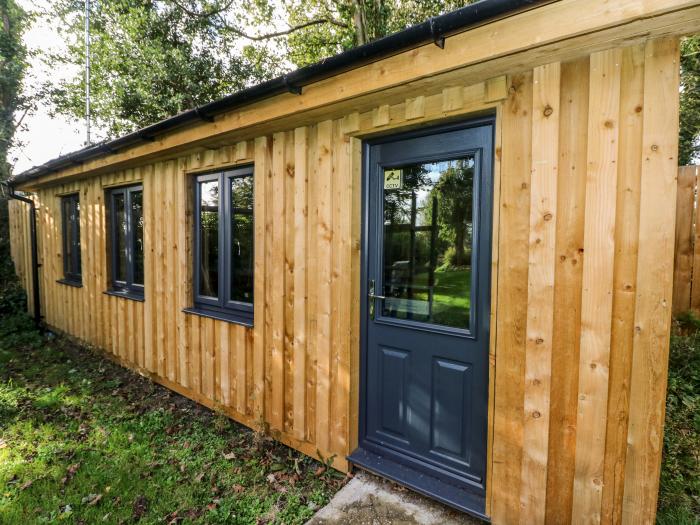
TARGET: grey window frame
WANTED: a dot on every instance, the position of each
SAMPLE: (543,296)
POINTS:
(221,307)
(127,288)
(72,266)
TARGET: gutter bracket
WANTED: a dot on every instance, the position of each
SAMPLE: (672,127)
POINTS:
(147,138)
(291,88)
(203,116)
(438,39)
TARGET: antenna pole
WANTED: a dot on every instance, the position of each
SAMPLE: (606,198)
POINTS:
(87,72)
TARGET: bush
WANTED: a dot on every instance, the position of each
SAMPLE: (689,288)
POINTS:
(679,496)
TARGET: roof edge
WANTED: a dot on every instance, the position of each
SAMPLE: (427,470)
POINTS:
(432,30)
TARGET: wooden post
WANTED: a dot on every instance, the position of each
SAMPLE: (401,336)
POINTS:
(686,258)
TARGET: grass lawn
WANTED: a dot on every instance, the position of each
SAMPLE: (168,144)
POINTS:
(83,440)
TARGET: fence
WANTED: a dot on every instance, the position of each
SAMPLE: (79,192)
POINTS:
(686,271)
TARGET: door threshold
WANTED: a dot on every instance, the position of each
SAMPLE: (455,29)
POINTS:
(458,498)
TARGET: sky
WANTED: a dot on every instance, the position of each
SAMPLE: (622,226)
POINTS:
(45,137)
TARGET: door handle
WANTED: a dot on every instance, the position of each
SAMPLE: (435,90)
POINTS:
(372,296)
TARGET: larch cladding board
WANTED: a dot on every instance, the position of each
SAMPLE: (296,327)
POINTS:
(585,178)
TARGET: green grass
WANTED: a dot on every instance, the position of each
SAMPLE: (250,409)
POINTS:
(679,494)
(451,295)
(85,441)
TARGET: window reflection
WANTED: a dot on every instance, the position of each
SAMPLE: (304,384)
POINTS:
(137,229)
(428,233)
(209,238)
(242,239)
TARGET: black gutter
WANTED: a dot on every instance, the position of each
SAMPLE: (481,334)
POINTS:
(33,248)
(434,30)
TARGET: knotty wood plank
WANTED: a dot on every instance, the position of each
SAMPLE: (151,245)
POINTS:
(184,268)
(149,276)
(206,350)
(324,239)
(596,298)
(300,254)
(224,363)
(263,165)
(277,279)
(685,215)
(289,269)
(355,172)
(624,279)
(312,266)
(242,364)
(654,281)
(571,194)
(512,299)
(169,213)
(160,281)
(540,301)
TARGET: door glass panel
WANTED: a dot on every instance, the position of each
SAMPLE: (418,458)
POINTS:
(427,266)
(209,238)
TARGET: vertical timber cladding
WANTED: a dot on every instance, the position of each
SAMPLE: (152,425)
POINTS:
(291,371)
(584,291)
(586,168)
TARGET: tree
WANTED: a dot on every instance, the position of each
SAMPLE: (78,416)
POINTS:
(357,22)
(13,65)
(689,140)
(150,59)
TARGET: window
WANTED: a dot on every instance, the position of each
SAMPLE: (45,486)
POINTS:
(70,212)
(223,251)
(126,240)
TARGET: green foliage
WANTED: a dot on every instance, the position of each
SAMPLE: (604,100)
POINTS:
(689,145)
(355,22)
(150,59)
(679,496)
(13,64)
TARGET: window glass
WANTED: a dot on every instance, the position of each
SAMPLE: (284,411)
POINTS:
(428,233)
(68,239)
(70,211)
(242,239)
(120,238)
(126,248)
(137,235)
(209,238)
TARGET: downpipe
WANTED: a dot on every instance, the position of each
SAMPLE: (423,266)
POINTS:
(33,247)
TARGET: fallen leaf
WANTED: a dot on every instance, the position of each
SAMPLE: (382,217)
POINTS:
(198,478)
(238,488)
(271,478)
(230,455)
(94,501)
(26,485)
(140,507)
(70,472)
(3,443)
(319,471)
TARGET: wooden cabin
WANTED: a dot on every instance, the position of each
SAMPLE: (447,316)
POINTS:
(445,257)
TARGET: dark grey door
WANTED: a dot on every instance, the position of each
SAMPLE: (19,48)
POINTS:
(427,282)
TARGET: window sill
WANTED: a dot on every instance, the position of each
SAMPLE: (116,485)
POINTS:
(68,282)
(125,295)
(220,316)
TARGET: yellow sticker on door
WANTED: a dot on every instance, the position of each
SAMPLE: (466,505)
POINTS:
(393,179)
